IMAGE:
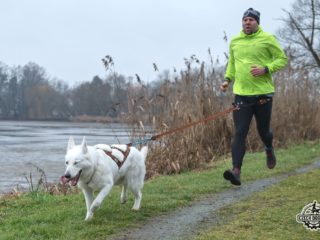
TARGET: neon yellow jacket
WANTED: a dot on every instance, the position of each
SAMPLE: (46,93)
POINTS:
(260,49)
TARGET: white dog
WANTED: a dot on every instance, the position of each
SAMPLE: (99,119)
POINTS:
(102,166)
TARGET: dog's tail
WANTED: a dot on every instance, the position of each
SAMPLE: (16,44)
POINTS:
(144,152)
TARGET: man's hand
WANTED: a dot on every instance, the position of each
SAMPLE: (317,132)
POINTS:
(257,71)
(224,86)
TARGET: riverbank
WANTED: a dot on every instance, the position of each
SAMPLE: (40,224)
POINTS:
(38,215)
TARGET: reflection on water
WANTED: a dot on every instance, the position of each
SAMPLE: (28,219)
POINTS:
(24,145)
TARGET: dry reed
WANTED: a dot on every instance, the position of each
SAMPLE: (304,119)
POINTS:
(194,95)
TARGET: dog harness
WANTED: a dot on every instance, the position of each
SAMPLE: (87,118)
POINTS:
(114,158)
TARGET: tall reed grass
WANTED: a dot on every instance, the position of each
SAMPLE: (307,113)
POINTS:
(194,94)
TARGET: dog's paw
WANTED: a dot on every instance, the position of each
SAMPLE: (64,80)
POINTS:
(123,200)
(135,208)
(89,216)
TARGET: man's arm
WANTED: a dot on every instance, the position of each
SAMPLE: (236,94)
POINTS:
(280,59)
(230,72)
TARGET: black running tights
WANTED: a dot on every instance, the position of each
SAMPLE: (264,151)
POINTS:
(242,119)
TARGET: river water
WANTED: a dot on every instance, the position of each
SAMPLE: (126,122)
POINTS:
(28,145)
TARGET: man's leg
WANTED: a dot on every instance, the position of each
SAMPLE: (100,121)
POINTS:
(263,117)
(242,119)
(262,113)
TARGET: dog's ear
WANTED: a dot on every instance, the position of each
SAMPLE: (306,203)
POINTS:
(84,146)
(71,143)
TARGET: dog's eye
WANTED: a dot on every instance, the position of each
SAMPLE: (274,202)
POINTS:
(67,162)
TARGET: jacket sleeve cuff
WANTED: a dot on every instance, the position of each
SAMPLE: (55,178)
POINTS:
(228,79)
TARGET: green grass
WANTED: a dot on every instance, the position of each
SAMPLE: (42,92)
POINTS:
(43,216)
(270,214)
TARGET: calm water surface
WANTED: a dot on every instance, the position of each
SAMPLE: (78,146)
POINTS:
(24,145)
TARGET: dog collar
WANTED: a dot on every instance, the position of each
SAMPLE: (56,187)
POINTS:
(94,170)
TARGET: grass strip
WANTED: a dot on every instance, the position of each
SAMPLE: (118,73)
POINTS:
(270,214)
(39,215)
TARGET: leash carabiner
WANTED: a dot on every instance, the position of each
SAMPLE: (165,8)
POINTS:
(140,142)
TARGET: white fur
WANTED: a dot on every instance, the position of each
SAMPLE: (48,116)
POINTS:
(100,172)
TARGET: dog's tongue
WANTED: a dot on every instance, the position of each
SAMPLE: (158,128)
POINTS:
(64,180)
(74,181)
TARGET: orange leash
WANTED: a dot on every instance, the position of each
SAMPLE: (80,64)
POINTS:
(205,120)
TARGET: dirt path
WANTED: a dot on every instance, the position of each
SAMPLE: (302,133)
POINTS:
(187,222)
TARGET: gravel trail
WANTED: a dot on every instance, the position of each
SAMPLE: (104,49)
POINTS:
(187,222)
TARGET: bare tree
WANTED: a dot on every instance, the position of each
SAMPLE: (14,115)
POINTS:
(301,33)
(4,83)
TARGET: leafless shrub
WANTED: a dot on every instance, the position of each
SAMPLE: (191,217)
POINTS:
(41,181)
(38,183)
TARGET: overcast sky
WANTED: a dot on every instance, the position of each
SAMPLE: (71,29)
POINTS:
(68,38)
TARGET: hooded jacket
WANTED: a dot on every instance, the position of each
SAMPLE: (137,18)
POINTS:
(260,49)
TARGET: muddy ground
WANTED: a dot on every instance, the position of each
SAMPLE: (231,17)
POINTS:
(186,223)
